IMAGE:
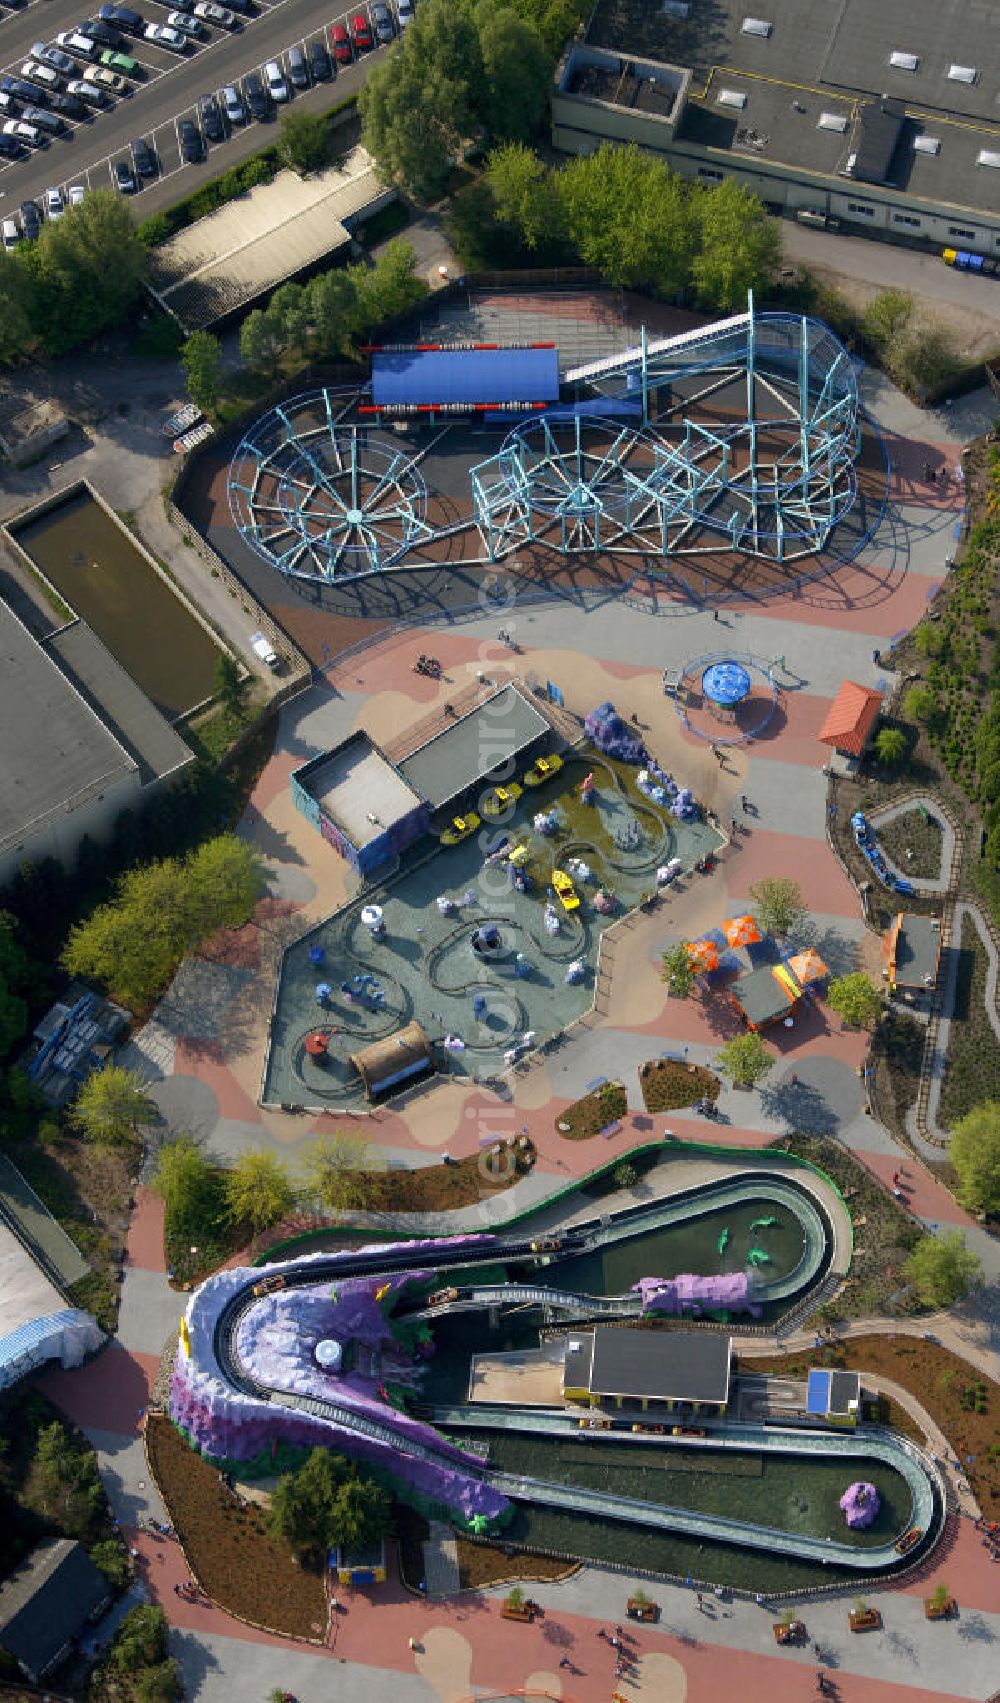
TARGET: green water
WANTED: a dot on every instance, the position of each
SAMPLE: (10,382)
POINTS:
(692,1246)
(94,565)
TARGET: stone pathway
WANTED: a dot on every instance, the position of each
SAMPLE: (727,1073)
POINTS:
(441,1575)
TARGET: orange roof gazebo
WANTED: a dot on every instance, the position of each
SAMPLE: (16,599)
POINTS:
(850,718)
(702,955)
(741,931)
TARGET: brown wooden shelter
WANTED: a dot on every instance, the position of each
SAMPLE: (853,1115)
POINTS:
(402,1057)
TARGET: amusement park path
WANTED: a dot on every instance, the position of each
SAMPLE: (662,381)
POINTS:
(203,1051)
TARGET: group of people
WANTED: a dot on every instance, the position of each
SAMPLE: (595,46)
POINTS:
(622,1644)
(990,1533)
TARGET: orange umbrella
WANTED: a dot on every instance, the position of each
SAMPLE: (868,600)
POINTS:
(741,931)
(703,954)
(807,967)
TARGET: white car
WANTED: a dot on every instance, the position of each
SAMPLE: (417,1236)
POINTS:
(187,26)
(80,46)
(87,92)
(404,12)
(10,233)
(55,206)
(221,16)
(274,77)
(164,36)
(22,132)
(75,194)
(43,74)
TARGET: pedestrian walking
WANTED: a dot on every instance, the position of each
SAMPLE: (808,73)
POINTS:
(564,1661)
(743,801)
(715,614)
(701,1602)
(736,826)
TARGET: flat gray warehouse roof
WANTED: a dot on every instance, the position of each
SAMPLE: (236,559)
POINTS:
(669,1365)
(54,750)
(477,743)
(109,689)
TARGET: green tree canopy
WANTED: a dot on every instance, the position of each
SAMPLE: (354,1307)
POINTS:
(63,1483)
(974,1150)
(677,971)
(739,249)
(230,683)
(855,998)
(111,1105)
(389,287)
(891,746)
(555,20)
(339,1170)
(942,1269)
(425,98)
(187,1183)
(201,358)
(87,269)
(258,1191)
(222,883)
(18,332)
(142,1639)
(886,317)
(778,903)
(517,72)
(262,340)
(629,216)
(333,309)
(326,1504)
(746,1058)
(13,977)
(522,191)
(304,141)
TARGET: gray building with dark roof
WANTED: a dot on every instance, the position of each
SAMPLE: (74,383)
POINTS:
(881,116)
(47,1603)
(643,1368)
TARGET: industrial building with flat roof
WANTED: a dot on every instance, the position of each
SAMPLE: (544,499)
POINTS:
(913,952)
(475,747)
(881,116)
(637,1367)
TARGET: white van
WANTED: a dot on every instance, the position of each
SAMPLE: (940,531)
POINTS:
(10,234)
(813,216)
(264,651)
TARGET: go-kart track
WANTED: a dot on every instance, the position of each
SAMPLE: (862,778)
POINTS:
(233,1408)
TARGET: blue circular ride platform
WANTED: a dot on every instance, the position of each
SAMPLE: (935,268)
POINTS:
(726,684)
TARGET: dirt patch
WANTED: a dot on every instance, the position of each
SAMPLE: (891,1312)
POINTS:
(667,1083)
(589,1116)
(965,1405)
(228,1544)
(913,842)
(487,1564)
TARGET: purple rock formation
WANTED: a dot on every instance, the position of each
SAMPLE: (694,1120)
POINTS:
(687,1293)
(860,1504)
(605,728)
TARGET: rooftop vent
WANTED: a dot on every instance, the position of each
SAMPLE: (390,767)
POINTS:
(731,97)
(963,74)
(757,26)
(832,121)
(904,61)
(986,157)
(926,144)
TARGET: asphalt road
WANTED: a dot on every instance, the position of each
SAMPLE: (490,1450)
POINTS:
(87,152)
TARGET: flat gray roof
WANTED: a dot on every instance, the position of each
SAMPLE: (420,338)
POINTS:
(822,57)
(666,1365)
(123,706)
(918,949)
(354,783)
(475,745)
(54,749)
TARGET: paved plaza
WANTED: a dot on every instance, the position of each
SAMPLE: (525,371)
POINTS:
(203,1053)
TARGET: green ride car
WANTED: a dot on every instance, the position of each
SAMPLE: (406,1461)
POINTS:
(120,62)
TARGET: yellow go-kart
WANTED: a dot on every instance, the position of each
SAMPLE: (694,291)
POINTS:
(459,829)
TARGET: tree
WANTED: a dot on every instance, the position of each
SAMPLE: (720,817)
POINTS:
(258,1191)
(624,1176)
(425,98)
(740,246)
(362,1514)
(921,704)
(339,1170)
(111,1105)
(303,142)
(201,358)
(778,903)
(230,683)
(333,304)
(111,1558)
(290,306)
(926,359)
(389,287)
(677,971)
(326,1504)
(745,1058)
(188,1186)
(974,1151)
(855,998)
(159,1684)
(141,1640)
(942,1269)
(555,20)
(13,975)
(222,883)
(517,71)
(88,268)
(629,216)
(17,332)
(523,192)
(891,746)
(262,340)
(886,317)
(63,1483)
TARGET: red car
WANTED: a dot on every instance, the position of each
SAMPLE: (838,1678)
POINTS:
(361,33)
(340,41)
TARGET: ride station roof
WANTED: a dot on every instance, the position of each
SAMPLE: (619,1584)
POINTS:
(473,376)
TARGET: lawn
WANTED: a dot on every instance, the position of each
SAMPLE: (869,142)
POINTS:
(913,842)
(945,1385)
(228,1543)
(667,1083)
(587,1117)
(972,1068)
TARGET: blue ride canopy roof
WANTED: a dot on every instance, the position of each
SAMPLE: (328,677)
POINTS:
(464,377)
(726,683)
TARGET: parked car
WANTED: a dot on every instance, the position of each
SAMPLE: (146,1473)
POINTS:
(89,92)
(143,157)
(361,33)
(123,18)
(298,69)
(54,56)
(31,220)
(404,12)
(10,147)
(80,46)
(243,7)
(20,131)
(163,36)
(191,141)
(124,177)
(191,27)
(122,62)
(340,41)
(232,101)
(10,106)
(106,79)
(277,87)
(10,231)
(382,19)
(212,122)
(319,62)
(220,16)
(68,105)
(76,194)
(101,32)
(55,206)
(43,74)
(21,90)
(256,96)
(50,122)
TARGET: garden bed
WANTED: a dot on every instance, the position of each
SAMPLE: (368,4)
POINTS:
(481,1564)
(913,842)
(668,1083)
(587,1117)
(947,1386)
(972,1067)
(228,1544)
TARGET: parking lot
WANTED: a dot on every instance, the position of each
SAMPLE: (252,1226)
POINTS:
(165,91)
